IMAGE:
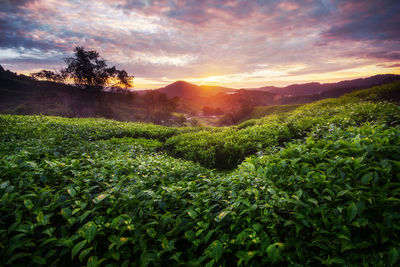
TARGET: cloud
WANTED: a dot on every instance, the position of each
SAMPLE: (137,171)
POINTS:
(14,35)
(365,21)
(165,40)
(12,6)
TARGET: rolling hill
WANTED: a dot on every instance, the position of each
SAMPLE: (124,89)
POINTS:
(224,98)
(187,90)
(313,186)
(335,89)
(20,94)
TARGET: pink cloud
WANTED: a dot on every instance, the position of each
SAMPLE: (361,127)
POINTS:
(197,38)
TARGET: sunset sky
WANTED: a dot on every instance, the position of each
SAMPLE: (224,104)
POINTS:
(230,43)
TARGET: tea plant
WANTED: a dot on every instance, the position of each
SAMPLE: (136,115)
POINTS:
(227,148)
(321,187)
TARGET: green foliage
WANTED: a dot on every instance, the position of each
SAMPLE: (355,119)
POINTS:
(387,92)
(337,197)
(90,71)
(61,129)
(259,112)
(228,147)
(321,188)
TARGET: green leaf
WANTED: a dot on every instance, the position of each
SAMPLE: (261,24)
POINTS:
(28,204)
(99,198)
(210,263)
(40,217)
(337,260)
(66,212)
(244,256)
(274,251)
(90,231)
(84,253)
(38,260)
(216,250)
(92,262)
(71,191)
(393,256)
(4,185)
(151,232)
(192,214)
(164,243)
(84,215)
(17,256)
(314,201)
(221,216)
(77,248)
(366,178)
(125,263)
(352,211)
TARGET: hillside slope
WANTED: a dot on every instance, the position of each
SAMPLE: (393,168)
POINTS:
(320,188)
(187,90)
(227,147)
(23,95)
(336,89)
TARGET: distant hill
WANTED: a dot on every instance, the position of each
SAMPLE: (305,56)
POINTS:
(228,98)
(187,90)
(216,96)
(340,87)
(23,95)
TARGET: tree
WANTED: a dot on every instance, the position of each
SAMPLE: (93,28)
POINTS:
(49,75)
(158,107)
(235,116)
(90,71)
(207,111)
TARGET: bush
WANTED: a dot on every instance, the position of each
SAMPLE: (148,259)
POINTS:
(226,148)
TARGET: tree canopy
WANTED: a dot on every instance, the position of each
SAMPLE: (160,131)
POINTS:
(89,71)
(49,75)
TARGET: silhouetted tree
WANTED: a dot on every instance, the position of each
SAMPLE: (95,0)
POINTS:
(158,106)
(238,115)
(49,75)
(90,71)
(212,111)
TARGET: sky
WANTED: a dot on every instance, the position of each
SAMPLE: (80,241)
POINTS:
(238,44)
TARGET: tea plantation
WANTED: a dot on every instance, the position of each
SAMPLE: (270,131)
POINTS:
(314,186)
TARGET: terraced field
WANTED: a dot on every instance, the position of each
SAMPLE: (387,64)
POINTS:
(318,185)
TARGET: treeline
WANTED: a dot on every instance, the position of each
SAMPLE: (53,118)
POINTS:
(87,87)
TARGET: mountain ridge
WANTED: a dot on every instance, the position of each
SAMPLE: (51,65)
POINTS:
(187,90)
(318,88)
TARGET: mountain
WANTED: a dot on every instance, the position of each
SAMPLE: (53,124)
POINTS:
(224,98)
(340,87)
(20,94)
(229,99)
(187,90)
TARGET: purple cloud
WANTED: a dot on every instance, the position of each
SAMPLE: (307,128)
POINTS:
(163,40)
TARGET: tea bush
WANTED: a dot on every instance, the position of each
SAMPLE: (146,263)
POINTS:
(229,147)
(335,199)
(331,199)
(62,129)
(321,188)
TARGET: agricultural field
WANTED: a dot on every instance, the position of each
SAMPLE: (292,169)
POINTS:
(310,186)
